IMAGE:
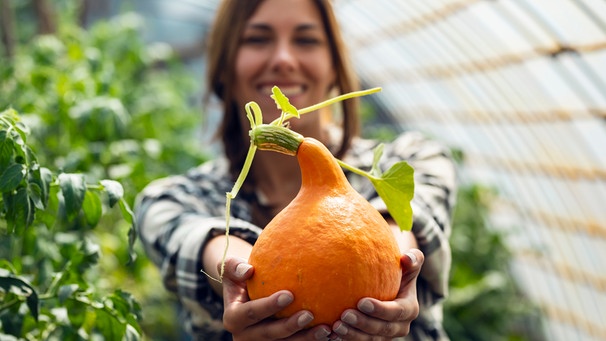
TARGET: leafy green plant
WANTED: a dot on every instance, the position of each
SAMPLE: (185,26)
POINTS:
(104,102)
(46,250)
(485,302)
(101,104)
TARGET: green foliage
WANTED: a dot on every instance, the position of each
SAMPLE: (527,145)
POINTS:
(101,101)
(45,251)
(100,104)
(484,301)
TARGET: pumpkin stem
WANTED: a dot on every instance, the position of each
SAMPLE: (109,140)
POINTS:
(276,138)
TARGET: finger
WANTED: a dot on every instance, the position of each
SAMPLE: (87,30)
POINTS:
(411,263)
(354,325)
(346,332)
(240,312)
(390,318)
(292,328)
(386,318)
(251,312)
(405,307)
(237,271)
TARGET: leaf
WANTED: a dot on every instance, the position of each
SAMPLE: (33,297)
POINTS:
(92,208)
(73,188)
(48,216)
(19,212)
(126,305)
(378,152)
(39,186)
(76,312)
(129,216)
(12,177)
(66,291)
(283,102)
(21,287)
(6,149)
(109,326)
(114,190)
(35,194)
(88,255)
(396,188)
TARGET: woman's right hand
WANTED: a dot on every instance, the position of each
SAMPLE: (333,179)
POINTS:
(252,319)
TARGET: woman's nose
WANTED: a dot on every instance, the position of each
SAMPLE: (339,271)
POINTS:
(284,57)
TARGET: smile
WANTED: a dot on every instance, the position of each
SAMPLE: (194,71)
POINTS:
(288,90)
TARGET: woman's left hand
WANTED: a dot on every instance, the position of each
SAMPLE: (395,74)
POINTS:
(385,319)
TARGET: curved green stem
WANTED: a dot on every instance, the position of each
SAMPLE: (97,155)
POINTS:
(326,103)
(354,169)
(229,196)
(245,169)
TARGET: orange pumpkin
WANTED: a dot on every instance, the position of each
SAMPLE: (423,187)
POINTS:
(329,246)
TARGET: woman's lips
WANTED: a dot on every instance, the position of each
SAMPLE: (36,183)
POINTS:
(287,90)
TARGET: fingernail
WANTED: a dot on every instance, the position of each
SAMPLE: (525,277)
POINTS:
(413,257)
(341,329)
(284,300)
(242,268)
(366,306)
(322,334)
(350,318)
(304,319)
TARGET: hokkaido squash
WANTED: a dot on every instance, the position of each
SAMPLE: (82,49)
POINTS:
(329,246)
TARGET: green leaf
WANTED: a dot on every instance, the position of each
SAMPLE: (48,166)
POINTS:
(46,178)
(76,312)
(35,194)
(396,188)
(19,212)
(378,152)
(92,208)
(129,216)
(39,186)
(114,190)
(6,148)
(73,188)
(126,305)
(49,215)
(88,255)
(20,287)
(66,291)
(109,326)
(283,103)
(12,177)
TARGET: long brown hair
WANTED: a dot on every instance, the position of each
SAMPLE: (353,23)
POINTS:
(223,44)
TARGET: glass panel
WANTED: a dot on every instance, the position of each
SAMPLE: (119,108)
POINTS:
(564,19)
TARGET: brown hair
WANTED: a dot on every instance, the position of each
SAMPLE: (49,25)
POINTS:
(223,46)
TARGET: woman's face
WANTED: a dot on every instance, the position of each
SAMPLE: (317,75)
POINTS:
(284,43)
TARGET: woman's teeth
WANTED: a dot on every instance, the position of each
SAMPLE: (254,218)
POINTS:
(286,90)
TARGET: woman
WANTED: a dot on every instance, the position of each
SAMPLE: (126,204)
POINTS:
(296,45)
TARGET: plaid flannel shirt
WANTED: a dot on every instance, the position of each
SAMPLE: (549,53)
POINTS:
(179,214)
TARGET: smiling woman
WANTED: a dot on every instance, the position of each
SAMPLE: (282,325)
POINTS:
(291,51)
(296,45)
(229,32)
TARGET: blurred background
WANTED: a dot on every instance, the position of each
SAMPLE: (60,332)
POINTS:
(516,88)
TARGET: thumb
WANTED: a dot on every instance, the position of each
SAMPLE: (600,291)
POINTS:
(237,271)
(411,263)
